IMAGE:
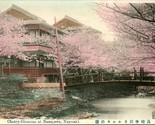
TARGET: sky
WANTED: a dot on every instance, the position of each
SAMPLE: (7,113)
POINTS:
(81,10)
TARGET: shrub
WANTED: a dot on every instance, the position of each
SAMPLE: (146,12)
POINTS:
(31,80)
(19,78)
(11,85)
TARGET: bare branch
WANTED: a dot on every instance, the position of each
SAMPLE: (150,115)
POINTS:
(136,9)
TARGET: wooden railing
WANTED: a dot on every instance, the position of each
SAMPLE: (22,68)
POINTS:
(30,71)
(81,78)
(97,77)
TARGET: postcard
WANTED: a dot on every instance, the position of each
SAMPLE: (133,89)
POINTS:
(77,62)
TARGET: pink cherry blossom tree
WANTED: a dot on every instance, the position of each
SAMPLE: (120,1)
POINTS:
(84,49)
(134,23)
(12,36)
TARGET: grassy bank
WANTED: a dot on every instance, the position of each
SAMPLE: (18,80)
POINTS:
(16,102)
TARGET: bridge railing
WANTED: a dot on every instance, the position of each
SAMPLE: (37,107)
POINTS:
(81,78)
(99,77)
(86,78)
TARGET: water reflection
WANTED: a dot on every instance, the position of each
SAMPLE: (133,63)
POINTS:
(124,108)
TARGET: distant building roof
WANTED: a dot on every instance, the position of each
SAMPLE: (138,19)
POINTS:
(69,23)
(72,19)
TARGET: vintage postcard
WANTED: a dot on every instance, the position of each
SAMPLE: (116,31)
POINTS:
(77,62)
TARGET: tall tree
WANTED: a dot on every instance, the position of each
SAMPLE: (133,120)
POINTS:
(12,36)
(84,49)
(132,22)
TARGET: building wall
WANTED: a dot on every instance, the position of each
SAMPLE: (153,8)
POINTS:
(31,71)
(29,64)
(39,27)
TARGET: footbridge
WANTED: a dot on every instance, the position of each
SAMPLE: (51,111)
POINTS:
(110,79)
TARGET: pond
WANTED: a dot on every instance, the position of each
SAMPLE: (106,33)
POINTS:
(124,108)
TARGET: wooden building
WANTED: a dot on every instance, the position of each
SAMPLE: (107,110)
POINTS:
(44,70)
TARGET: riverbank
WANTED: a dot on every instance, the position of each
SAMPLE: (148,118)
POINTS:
(43,103)
(146,89)
(51,108)
(47,102)
(24,111)
(29,103)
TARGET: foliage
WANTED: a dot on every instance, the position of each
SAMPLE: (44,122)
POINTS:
(134,24)
(18,78)
(10,86)
(84,49)
(12,36)
(31,80)
(135,20)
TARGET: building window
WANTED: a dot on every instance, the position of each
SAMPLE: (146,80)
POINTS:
(41,65)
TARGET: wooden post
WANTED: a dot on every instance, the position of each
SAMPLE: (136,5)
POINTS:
(153,115)
(1,69)
(141,73)
(9,67)
(59,62)
(2,62)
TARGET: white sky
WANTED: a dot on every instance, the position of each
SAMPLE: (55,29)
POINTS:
(81,10)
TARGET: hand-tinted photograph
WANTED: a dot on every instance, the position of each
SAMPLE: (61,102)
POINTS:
(77,60)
